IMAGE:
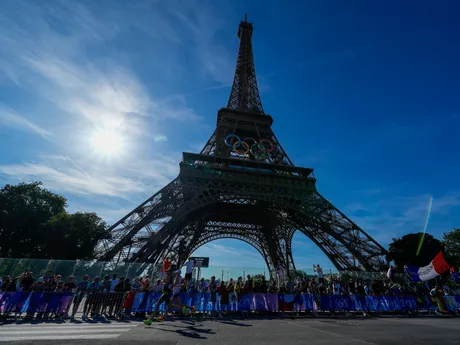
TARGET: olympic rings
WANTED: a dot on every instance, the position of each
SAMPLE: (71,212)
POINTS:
(230,144)
(249,145)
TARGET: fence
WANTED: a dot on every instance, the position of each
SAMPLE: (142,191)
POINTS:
(15,267)
(44,305)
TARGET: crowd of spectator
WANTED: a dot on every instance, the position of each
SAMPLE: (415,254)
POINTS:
(226,292)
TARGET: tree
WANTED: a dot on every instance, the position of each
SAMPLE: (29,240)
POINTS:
(34,224)
(451,242)
(404,250)
(24,211)
(74,236)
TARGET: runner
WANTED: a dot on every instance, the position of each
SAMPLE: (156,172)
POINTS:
(165,297)
(179,287)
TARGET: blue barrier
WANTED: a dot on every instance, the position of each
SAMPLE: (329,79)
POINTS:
(60,302)
(35,302)
(145,302)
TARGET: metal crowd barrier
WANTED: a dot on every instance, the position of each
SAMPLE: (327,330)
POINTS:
(274,302)
(46,305)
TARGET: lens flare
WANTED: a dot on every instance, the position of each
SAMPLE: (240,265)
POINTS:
(428,214)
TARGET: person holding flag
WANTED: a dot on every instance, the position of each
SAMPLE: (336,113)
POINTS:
(319,272)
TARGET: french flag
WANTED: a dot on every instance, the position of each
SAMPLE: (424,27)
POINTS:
(436,267)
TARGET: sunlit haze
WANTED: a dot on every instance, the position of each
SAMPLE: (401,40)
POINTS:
(107,142)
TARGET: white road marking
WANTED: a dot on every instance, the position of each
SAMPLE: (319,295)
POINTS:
(64,326)
(21,332)
(61,337)
(63,331)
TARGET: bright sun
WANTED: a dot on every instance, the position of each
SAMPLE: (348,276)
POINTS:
(107,142)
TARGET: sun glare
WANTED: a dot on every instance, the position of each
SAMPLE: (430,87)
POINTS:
(107,142)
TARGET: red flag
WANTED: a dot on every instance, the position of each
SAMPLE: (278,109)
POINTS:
(439,263)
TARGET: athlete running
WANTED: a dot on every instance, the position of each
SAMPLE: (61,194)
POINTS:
(179,287)
(166,297)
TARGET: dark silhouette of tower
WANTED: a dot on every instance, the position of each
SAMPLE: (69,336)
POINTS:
(242,185)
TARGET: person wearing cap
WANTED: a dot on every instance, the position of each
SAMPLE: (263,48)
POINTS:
(177,291)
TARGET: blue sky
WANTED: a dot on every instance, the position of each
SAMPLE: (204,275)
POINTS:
(366,93)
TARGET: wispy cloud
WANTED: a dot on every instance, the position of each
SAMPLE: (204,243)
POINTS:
(10,118)
(68,56)
(388,217)
(110,212)
(73,180)
(160,138)
(49,55)
(63,174)
(215,57)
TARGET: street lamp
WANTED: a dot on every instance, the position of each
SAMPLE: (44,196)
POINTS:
(285,215)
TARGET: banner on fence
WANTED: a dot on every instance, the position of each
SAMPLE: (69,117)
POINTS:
(59,303)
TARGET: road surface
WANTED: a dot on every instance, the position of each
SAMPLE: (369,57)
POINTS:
(254,331)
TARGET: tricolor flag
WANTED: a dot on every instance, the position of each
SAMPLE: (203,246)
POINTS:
(436,267)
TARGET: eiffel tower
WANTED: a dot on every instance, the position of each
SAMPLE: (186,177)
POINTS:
(242,185)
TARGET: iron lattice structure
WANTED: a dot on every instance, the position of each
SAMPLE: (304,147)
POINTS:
(242,185)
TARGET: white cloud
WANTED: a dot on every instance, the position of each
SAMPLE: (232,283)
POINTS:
(110,213)
(214,56)
(10,118)
(114,98)
(160,138)
(389,217)
(73,180)
(65,56)
(61,173)
(49,55)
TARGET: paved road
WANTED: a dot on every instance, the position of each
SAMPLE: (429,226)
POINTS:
(374,331)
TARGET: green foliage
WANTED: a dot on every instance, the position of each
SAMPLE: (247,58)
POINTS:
(451,242)
(35,224)
(404,250)
(74,236)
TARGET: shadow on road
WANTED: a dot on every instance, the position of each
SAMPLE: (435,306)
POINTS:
(188,331)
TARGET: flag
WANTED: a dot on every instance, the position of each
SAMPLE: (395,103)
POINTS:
(436,267)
